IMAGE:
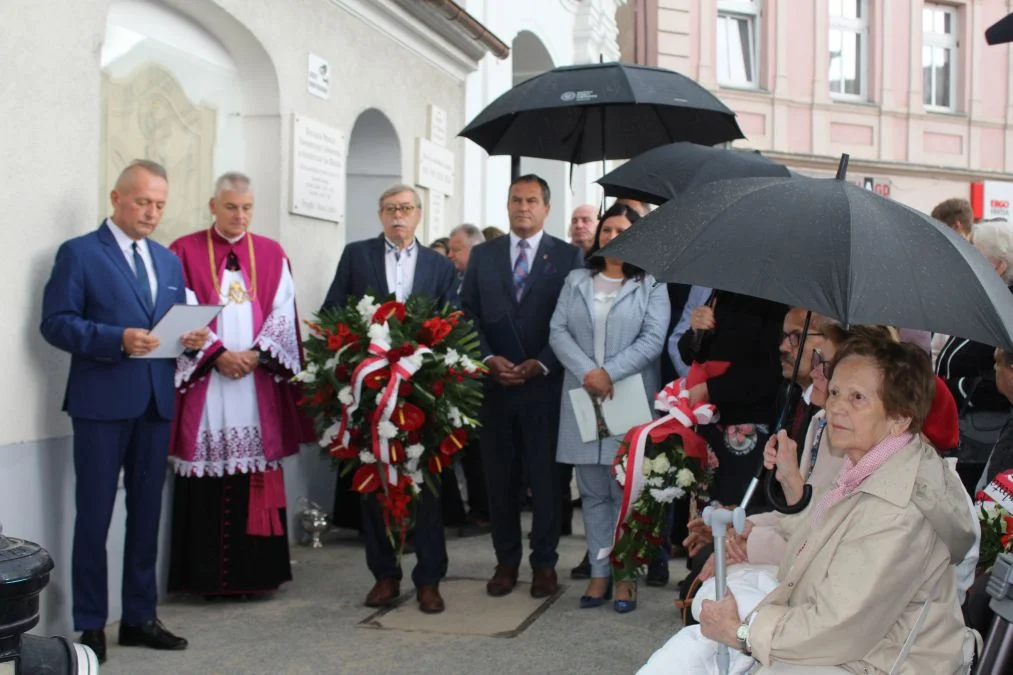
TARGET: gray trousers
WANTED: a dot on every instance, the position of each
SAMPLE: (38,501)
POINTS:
(600,496)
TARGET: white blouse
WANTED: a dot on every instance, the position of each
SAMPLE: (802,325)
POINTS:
(605,291)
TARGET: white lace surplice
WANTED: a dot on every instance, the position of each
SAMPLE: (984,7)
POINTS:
(229,440)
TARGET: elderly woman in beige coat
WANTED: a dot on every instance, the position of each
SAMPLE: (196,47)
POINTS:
(873,552)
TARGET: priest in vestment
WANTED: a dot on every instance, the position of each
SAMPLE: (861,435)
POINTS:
(237,415)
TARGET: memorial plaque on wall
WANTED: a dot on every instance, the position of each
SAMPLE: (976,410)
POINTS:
(434,167)
(318,170)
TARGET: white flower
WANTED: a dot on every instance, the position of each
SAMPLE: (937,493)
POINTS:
(456,419)
(379,331)
(661,465)
(414,451)
(386,430)
(684,478)
(666,496)
(345,396)
(621,475)
(329,434)
(655,481)
(451,358)
(411,466)
(366,457)
(679,492)
(367,307)
(309,375)
(647,466)
(468,365)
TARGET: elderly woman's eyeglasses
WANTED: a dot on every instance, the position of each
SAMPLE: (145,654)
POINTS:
(392,209)
(794,338)
(820,364)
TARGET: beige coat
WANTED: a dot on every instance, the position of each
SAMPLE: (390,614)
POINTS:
(852,594)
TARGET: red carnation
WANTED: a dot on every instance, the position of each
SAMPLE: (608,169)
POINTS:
(342,373)
(389,309)
(405,388)
(407,349)
(453,317)
(437,388)
(454,443)
(641,518)
(434,331)
(393,355)
(344,336)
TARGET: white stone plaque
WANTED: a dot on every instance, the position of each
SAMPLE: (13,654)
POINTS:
(318,170)
(435,213)
(437,125)
(318,77)
(434,167)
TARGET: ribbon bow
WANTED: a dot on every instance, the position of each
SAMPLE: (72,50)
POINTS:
(679,417)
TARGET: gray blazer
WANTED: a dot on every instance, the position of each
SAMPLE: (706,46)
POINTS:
(634,338)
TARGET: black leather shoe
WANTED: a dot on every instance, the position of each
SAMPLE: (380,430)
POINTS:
(96,639)
(151,634)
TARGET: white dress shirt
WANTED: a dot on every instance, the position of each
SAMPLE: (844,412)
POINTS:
(533,241)
(126,246)
(400,267)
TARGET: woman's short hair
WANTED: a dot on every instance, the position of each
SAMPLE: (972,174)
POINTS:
(597,264)
(994,240)
(908,384)
(838,334)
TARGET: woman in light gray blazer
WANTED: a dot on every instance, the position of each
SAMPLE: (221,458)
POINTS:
(609,324)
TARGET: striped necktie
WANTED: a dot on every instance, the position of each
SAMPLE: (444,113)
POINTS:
(143,282)
(521,268)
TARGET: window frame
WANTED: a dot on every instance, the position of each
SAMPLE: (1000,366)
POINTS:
(751,11)
(861,28)
(950,42)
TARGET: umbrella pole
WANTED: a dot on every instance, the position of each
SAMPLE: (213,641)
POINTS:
(604,155)
(842,168)
(760,470)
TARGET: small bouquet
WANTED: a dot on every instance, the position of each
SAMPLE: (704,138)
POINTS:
(394,389)
(658,463)
(995,506)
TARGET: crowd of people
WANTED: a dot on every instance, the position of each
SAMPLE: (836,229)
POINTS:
(868,419)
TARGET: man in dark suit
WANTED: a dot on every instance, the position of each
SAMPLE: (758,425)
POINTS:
(396,263)
(510,291)
(107,290)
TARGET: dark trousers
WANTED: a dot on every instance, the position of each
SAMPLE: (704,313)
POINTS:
(430,543)
(515,429)
(139,447)
(454,512)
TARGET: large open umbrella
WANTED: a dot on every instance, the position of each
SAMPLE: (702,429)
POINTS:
(601,111)
(669,170)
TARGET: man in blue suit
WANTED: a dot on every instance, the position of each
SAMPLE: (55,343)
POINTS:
(396,263)
(107,290)
(510,291)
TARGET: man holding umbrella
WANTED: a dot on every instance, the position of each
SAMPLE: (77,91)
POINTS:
(510,292)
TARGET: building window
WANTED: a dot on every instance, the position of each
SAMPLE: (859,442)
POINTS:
(849,48)
(939,51)
(737,42)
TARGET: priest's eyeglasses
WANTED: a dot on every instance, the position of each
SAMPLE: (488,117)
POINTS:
(393,209)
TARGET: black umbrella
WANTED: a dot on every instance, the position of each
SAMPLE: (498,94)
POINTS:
(828,246)
(666,172)
(1001,31)
(600,111)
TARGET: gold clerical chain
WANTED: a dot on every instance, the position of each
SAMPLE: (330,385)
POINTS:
(237,293)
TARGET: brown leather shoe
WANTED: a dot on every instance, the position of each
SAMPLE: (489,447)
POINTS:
(383,593)
(430,600)
(544,582)
(502,582)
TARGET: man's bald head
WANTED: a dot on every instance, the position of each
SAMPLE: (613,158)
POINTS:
(582,226)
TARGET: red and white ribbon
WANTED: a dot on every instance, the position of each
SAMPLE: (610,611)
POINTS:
(378,347)
(400,371)
(679,417)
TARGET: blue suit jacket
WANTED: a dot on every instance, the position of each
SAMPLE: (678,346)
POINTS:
(488,294)
(91,297)
(362,269)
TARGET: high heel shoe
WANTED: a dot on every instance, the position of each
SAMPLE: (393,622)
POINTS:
(626,606)
(589,601)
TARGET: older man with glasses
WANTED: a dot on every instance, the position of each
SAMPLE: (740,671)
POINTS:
(394,263)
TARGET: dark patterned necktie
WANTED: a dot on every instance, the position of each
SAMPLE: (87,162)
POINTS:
(521,268)
(143,283)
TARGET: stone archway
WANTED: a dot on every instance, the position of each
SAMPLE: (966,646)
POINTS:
(531,58)
(373,165)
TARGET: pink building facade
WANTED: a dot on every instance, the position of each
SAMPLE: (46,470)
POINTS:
(908,88)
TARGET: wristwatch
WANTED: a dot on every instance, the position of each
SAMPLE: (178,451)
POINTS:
(742,635)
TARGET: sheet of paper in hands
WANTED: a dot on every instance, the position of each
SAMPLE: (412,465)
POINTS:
(628,408)
(179,320)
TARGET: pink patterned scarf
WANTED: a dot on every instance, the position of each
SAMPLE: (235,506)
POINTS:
(853,475)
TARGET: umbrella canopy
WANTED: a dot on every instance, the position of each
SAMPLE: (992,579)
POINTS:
(1001,31)
(666,172)
(828,246)
(599,111)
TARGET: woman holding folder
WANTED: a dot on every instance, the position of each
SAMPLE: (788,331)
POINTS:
(608,331)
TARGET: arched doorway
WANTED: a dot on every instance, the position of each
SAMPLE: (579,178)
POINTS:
(530,58)
(373,165)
